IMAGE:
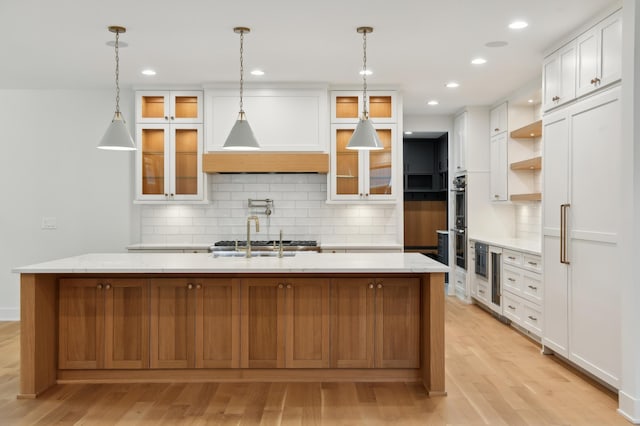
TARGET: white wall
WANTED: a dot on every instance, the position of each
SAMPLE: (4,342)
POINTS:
(50,167)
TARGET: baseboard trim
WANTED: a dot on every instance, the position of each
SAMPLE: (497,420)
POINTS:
(629,407)
(9,314)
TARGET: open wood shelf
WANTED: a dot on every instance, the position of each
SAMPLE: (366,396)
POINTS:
(530,164)
(535,196)
(266,162)
(530,131)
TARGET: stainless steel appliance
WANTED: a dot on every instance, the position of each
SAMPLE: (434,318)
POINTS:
(496,279)
(264,245)
(460,228)
(482,252)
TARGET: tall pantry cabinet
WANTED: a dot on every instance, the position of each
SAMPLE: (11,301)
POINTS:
(581,209)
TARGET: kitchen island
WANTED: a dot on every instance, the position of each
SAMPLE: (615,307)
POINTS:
(140,317)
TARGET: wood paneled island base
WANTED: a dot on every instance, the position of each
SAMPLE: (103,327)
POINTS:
(123,327)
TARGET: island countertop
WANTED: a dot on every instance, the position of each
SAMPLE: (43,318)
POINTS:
(206,263)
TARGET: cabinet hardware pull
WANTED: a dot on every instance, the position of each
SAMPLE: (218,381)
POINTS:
(597,80)
(511,307)
(189,286)
(370,285)
(555,98)
(511,279)
(166,118)
(198,286)
(166,195)
(593,81)
(496,196)
(532,287)
(361,194)
(533,263)
(107,286)
(563,233)
(288,285)
(511,258)
(172,117)
(379,285)
(481,291)
(533,318)
(280,285)
(496,129)
(99,286)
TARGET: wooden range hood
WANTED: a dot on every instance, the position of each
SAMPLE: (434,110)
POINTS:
(265,162)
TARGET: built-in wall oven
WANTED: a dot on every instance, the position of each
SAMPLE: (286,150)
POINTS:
(460,228)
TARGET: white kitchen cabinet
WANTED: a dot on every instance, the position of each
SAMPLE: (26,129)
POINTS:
(169,106)
(499,168)
(460,282)
(359,175)
(522,289)
(599,55)
(559,77)
(169,162)
(292,120)
(498,119)
(581,248)
(347,106)
(470,140)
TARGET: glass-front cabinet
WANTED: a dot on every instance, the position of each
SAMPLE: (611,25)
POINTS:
(362,175)
(347,106)
(169,162)
(169,106)
(169,137)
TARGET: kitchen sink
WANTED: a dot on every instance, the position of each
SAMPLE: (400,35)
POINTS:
(253,254)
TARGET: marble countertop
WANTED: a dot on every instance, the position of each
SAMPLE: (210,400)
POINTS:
(206,263)
(519,244)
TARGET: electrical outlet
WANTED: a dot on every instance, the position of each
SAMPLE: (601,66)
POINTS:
(49,223)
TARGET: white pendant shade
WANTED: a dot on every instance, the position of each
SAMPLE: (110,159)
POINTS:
(241,137)
(117,136)
(365,137)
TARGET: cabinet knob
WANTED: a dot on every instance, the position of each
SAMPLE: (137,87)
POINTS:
(597,80)
(496,196)
(288,285)
(555,98)
(189,286)
(99,286)
(107,286)
(366,195)
(496,130)
(370,285)
(171,195)
(166,195)
(280,285)
(166,118)
(172,117)
(379,285)
(198,286)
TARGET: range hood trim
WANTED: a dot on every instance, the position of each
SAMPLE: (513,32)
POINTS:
(265,162)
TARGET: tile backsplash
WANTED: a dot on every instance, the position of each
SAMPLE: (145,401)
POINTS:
(299,209)
(528,221)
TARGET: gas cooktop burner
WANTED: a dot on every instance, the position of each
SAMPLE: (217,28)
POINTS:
(258,243)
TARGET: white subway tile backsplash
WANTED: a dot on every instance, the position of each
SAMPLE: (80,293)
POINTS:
(299,209)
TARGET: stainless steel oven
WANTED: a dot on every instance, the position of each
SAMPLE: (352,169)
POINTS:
(460,227)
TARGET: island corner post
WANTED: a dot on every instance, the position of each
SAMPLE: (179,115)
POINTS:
(39,333)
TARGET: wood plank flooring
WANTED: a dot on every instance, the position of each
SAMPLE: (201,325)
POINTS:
(494,376)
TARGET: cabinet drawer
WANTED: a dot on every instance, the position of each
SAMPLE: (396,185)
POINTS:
(512,280)
(532,262)
(532,318)
(512,257)
(482,291)
(512,307)
(532,287)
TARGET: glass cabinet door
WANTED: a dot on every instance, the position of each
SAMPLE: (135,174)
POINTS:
(185,107)
(347,165)
(186,161)
(153,148)
(380,170)
(153,107)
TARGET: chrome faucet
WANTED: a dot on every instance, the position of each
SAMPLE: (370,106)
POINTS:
(249,219)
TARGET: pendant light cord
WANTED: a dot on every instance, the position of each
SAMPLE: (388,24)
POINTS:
(241,68)
(117,74)
(365,112)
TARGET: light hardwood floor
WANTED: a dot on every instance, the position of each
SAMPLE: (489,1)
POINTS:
(494,376)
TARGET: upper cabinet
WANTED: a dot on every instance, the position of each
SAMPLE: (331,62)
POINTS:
(281,119)
(169,154)
(591,61)
(358,175)
(498,119)
(559,77)
(599,53)
(169,106)
(470,141)
(347,106)
(499,167)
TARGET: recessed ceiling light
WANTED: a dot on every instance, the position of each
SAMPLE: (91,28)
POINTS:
(366,72)
(257,72)
(433,102)
(478,61)
(148,71)
(452,84)
(530,101)
(518,25)
(408,132)
(497,43)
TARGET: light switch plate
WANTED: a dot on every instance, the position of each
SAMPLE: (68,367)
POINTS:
(49,223)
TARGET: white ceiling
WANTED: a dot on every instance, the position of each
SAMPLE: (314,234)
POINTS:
(417,45)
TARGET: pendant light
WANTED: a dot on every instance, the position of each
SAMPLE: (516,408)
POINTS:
(365,136)
(117,136)
(241,137)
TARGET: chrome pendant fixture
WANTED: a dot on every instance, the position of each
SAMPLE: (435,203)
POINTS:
(241,137)
(117,137)
(365,136)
